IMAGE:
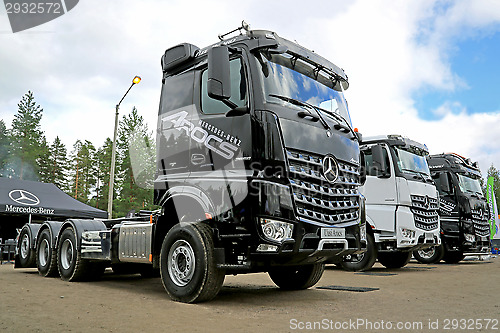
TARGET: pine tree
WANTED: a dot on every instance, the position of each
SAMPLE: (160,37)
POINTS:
(43,162)
(56,168)
(495,173)
(27,138)
(136,162)
(103,163)
(83,173)
(4,148)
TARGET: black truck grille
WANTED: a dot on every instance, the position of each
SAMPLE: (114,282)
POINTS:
(425,212)
(481,225)
(315,198)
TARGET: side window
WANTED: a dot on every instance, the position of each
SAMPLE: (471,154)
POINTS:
(238,90)
(371,170)
(439,185)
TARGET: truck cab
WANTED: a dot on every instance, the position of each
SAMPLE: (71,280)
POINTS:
(401,202)
(463,209)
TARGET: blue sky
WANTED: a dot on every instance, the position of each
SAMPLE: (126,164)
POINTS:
(476,61)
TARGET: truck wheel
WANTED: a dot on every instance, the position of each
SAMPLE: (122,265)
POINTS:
(46,256)
(453,257)
(297,277)
(362,262)
(430,255)
(70,263)
(187,264)
(394,259)
(27,257)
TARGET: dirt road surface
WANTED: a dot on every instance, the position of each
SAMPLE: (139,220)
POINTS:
(417,298)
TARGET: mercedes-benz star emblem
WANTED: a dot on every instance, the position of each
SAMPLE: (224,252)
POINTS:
(24,197)
(330,168)
(426,202)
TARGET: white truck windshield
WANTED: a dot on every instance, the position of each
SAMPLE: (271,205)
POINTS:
(410,162)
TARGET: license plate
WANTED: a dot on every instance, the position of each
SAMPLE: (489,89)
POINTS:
(332,233)
(429,236)
(485,238)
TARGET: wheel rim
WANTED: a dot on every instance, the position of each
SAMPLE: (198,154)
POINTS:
(181,263)
(427,253)
(43,253)
(66,253)
(25,245)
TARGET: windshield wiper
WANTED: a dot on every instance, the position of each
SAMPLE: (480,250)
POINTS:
(304,104)
(417,173)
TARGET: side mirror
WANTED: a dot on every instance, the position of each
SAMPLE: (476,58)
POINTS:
(379,161)
(444,183)
(219,79)
(362,168)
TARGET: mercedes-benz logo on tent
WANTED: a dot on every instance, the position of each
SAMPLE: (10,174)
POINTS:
(24,197)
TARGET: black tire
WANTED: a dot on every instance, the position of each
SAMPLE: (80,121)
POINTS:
(46,256)
(362,262)
(69,261)
(394,259)
(187,264)
(453,257)
(431,255)
(27,256)
(297,277)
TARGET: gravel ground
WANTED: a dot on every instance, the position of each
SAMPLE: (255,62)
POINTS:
(416,298)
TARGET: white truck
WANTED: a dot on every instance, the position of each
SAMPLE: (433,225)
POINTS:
(401,202)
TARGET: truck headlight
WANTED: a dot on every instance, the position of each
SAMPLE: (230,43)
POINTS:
(470,238)
(276,230)
(407,233)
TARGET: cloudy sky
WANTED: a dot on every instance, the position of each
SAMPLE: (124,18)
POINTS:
(429,70)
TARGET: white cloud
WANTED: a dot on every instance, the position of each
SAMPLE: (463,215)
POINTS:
(80,64)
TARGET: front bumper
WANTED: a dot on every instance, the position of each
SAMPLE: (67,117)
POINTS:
(454,242)
(309,247)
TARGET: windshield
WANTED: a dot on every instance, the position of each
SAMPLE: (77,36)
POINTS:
(411,162)
(468,184)
(285,75)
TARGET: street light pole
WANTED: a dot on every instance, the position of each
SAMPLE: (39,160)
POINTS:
(136,80)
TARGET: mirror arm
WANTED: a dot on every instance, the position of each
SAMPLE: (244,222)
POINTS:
(230,104)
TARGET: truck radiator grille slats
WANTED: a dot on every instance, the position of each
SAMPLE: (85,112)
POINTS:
(481,225)
(315,198)
(425,212)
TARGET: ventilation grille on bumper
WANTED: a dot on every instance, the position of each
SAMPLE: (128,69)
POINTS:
(425,212)
(481,225)
(315,198)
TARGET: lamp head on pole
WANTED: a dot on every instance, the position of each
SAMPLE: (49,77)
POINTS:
(136,80)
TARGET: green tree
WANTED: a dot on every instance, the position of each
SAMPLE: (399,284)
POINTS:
(27,139)
(495,173)
(4,148)
(55,166)
(103,163)
(136,156)
(83,172)
(43,162)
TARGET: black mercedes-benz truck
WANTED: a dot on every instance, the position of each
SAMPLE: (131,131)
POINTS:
(257,171)
(463,210)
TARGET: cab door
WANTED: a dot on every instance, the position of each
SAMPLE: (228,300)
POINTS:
(380,187)
(221,143)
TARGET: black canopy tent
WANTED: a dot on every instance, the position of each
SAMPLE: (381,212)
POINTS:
(22,201)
